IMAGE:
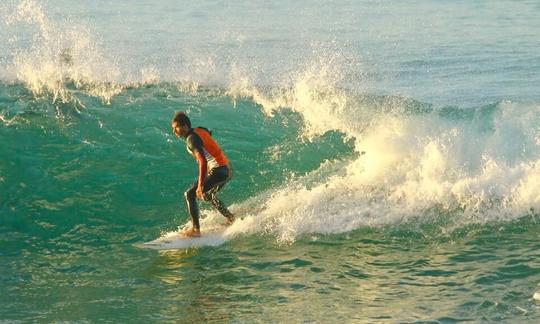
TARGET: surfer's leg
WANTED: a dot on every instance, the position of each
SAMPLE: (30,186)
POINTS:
(217,178)
(193,208)
(219,205)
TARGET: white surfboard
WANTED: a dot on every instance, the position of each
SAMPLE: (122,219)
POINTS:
(174,240)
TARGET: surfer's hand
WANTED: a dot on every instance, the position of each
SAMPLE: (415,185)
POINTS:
(199,193)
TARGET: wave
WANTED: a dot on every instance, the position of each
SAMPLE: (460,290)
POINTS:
(407,159)
(413,161)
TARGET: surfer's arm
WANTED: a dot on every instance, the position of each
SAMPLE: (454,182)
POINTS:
(195,146)
(203,167)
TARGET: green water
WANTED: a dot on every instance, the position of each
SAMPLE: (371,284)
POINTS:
(82,185)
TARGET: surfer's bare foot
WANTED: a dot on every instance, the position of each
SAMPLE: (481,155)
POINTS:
(229,220)
(191,232)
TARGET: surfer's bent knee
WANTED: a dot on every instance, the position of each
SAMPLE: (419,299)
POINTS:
(208,196)
(189,194)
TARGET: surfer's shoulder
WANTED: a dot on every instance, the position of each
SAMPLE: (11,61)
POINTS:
(193,140)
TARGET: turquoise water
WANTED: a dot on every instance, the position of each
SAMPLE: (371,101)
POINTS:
(386,160)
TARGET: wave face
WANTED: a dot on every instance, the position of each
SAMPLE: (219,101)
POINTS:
(306,160)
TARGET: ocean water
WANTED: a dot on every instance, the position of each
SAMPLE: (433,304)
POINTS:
(386,158)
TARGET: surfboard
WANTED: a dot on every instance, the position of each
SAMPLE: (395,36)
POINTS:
(174,240)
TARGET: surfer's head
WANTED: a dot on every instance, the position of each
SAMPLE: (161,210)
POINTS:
(181,124)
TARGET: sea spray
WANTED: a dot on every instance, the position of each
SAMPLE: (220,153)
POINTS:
(56,56)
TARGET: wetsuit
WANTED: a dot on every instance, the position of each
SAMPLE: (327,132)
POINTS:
(217,172)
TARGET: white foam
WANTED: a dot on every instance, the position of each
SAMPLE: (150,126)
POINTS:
(484,166)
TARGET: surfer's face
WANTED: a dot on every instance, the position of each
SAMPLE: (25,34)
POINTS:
(178,130)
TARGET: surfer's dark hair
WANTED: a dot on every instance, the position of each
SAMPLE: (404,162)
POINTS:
(182,119)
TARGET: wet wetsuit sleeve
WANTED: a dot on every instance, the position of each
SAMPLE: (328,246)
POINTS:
(195,145)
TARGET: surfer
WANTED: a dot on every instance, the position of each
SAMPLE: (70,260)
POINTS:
(214,170)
